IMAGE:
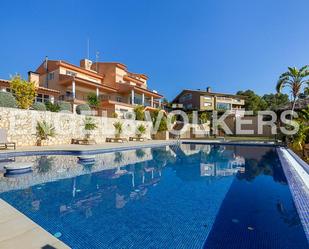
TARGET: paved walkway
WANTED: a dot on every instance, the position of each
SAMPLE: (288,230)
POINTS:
(18,231)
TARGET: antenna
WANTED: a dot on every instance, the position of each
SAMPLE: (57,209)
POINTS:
(97,54)
(88,42)
(46,70)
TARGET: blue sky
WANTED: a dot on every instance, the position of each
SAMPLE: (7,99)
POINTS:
(228,45)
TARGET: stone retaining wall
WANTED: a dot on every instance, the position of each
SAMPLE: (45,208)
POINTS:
(21,126)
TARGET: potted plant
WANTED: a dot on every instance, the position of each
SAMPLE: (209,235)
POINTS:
(44,131)
(93,100)
(118,129)
(89,125)
(140,130)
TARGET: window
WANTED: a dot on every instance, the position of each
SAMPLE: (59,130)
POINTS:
(50,76)
(189,106)
(207,104)
(223,106)
(46,98)
(71,73)
(39,98)
(207,98)
(185,97)
(118,99)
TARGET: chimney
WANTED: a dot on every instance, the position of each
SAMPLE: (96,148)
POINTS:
(85,63)
(208,89)
(34,77)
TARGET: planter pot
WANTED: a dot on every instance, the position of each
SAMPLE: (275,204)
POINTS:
(161,135)
(42,143)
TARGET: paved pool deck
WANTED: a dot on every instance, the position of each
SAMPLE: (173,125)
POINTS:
(18,231)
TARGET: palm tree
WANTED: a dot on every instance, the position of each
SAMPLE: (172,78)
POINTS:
(294,79)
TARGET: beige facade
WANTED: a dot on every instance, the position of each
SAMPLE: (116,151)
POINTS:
(118,89)
(208,101)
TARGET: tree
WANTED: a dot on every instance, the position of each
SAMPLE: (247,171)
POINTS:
(253,102)
(275,101)
(302,136)
(24,91)
(294,79)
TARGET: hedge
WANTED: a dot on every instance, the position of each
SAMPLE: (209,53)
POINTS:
(80,109)
(38,106)
(7,100)
(64,106)
(51,107)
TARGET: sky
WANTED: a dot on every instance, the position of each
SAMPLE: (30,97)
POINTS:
(227,45)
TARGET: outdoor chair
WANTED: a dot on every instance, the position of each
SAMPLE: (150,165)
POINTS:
(84,141)
(140,139)
(116,140)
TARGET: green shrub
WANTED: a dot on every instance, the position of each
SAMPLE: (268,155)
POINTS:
(93,100)
(118,129)
(7,100)
(38,106)
(140,130)
(90,124)
(203,118)
(64,106)
(139,112)
(24,91)
(83,108)
(163,123)
(52,107)
(44,130)
(114,115)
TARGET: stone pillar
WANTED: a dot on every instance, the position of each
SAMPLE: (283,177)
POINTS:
(97,92)
(160,102)
(52,99)
(73,89)
(151,101)
(132,96)
(143,99)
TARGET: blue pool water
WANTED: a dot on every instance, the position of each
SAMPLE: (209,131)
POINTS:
(192,196)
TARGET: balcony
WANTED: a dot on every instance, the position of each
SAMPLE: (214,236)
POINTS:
(104,97)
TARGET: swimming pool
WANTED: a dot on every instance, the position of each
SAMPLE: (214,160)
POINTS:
(188,196)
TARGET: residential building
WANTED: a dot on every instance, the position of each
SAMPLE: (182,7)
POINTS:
(199,100)
(43,94)
(117,89)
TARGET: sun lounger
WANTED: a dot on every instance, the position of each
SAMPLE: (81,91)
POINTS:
(83,141)
(140,139)
(4,143)
(116,140)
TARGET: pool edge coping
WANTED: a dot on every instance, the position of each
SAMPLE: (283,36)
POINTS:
(83,151)
(299,189)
